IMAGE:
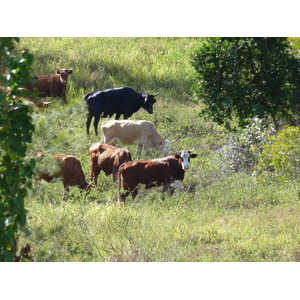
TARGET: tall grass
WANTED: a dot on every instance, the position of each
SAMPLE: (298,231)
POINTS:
(216,216)
(145,64)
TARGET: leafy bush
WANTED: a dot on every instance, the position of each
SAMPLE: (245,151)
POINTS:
(15,133)
(280,158)
(243,148)
(246,77)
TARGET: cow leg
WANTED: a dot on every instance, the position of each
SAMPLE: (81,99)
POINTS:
(66,190)
(88,123)
(134,193)
(94,176)
(168,188)
(139,150)
(115,176)
(122,197)
(64,98)
(171,190)
(118,116)
(146,151)
(96,121)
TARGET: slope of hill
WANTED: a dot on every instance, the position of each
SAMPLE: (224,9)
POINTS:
(218,215)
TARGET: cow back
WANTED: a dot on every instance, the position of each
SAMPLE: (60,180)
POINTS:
(119,100)
(144,172)
(129,132)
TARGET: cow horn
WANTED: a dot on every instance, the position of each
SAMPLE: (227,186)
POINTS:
(176,151)
(175,140)
(156,94)
(192,150)
(47,102)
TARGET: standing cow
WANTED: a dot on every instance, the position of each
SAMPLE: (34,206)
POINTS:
(106,158)
(120,101)
(134,132)
(167,171)
(51,85)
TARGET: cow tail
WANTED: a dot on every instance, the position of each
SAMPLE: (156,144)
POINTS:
(119,187)
(129,156)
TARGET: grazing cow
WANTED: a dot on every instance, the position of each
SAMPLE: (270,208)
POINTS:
(167,171)
(51,85)
(120,101)
(26,94)
(137,132)
(69,169)
(106,158)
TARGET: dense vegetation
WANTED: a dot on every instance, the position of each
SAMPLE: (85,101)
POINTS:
(244,78)
(223,212)
(15,133)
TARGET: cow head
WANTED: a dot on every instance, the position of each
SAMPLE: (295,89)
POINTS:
(148,102)
(165,147)
(184,157)
(64,73)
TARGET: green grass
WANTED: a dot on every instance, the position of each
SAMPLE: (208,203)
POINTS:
(217,216)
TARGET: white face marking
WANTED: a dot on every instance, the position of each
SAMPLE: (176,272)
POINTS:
(185,159)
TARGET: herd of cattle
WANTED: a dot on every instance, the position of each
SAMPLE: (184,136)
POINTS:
(167,171)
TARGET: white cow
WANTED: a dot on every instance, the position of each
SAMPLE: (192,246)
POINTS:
(134,132)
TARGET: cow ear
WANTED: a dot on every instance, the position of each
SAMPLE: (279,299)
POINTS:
(177,155)
(57,71)
(193,155)
(70,71)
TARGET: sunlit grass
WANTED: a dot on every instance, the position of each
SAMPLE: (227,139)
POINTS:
(216,216)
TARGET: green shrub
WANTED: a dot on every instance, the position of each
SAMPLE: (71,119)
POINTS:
(280,158)
(239,78)
(16,128)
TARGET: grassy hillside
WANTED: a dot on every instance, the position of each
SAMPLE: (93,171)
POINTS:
(218,215)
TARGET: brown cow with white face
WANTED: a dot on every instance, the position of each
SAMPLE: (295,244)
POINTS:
(69,169)
(167,171)
(108,159)
(51,85)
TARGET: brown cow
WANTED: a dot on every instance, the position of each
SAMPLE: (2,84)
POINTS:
(27,94)
(167,171)
(51,85)
(70,170)
(107,158)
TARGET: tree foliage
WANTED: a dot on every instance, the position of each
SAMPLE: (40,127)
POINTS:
(246,78)
(16,130)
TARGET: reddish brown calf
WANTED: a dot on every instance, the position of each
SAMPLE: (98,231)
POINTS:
(70,171)
(51,85)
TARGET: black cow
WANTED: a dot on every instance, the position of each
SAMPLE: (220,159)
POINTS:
(120,101)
